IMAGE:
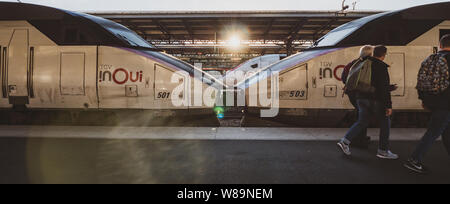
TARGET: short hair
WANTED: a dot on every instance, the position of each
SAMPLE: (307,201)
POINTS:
(379,51)
(445,41)
(366,51)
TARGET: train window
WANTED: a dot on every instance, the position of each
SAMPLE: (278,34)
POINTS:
(334,37)
(120,31)
(341,32)
(443,32)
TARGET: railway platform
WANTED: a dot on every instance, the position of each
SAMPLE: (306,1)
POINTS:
(76,154)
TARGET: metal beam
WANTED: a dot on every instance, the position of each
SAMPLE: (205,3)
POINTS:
(209,23)
(279,37)
(230,14)
(269,31)
(294,31)
(163,28)
(269,27)
(189,29)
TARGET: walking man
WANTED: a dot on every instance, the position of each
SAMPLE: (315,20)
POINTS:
(433,87)
(377,103)
(362,140)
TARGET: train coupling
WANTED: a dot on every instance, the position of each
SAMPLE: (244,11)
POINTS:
(230,107)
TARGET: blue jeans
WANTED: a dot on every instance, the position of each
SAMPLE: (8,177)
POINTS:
(438,126)
(367,109)
(353,101)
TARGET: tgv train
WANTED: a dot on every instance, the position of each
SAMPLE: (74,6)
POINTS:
(310,83)
(253,65)
(58,59)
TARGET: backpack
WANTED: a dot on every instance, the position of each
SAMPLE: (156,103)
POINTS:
(347,68)
(433,75)
(360,78)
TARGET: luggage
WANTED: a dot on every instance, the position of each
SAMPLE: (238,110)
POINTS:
(433,75)
(360,78)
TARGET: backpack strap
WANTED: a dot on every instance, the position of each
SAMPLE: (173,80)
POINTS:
(445,55)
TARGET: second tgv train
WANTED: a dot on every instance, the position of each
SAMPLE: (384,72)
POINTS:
(58,59)
(310,83)
(253,65)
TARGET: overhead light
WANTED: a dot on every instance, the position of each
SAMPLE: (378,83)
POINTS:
(234,41)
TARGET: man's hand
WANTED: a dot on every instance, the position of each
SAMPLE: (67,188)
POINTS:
(389,112)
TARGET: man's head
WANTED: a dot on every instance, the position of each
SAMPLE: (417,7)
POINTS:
(380,52)
(366,51)
(445,42)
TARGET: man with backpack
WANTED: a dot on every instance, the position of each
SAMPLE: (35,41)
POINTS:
(433,87)
(362,140)
(369,79)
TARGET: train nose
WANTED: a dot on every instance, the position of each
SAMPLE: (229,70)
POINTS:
(231,107)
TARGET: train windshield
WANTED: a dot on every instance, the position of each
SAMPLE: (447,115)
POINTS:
(121,32)
(340,33)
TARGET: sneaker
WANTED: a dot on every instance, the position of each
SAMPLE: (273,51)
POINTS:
(415,166)
(345,148)
(387,155)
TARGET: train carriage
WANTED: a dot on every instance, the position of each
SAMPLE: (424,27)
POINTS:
(310,84)
(62,60)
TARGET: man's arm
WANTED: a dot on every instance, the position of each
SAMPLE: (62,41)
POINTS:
(386,94)
(383,85)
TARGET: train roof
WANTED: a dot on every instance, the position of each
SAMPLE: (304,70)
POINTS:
(72,28)
(395,28)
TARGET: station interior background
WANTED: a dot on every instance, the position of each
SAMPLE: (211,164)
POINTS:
(221,40)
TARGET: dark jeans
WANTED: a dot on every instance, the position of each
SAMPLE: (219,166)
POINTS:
(367,109)
(353,100)
(438,126)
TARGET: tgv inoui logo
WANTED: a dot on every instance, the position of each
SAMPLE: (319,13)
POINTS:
(120,76)
(326,71)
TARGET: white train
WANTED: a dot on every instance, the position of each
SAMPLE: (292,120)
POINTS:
(253,65)
(57,59)
(310,83)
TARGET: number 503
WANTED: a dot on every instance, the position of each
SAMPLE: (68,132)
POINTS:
(297,94)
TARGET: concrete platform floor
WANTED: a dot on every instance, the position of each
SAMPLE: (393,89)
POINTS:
(32,154)
(197,133)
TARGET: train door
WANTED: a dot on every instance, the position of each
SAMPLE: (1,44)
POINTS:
(17,68)
(77,77)
(165,89)
(294,83)
(73,74)
(396,61)
(5,37)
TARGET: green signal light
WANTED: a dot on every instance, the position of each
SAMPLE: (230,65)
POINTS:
(220,112)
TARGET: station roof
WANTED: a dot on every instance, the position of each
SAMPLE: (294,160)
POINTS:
(216,25)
